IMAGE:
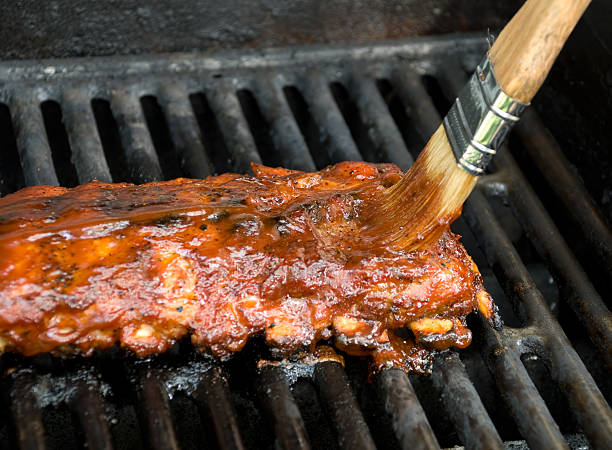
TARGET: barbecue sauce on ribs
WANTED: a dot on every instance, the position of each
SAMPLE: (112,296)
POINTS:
(224,259)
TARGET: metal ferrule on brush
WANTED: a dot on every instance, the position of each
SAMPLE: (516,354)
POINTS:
(480,119)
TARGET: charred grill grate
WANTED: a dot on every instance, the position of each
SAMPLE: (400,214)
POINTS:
(144,119)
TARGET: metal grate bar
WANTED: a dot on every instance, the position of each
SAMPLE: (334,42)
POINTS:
(234,127)
(184,131)
(545,152)
(325,113)
(586,401)
(452,77)
(339,401)
(32,143)
(89,408)
(286,134)
(407,416)
(214,390)
(566,364)
(415,98)
(140,154)
(581,295)
(279,402)
(154,414)
(525,404)
(85,146)
(463,404)
(381,127)
(26,413)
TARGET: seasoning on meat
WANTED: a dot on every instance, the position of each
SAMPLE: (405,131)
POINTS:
(225,259)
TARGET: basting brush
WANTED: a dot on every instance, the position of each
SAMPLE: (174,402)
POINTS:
(414,212)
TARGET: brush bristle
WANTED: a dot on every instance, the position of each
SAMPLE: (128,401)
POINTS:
(417,209)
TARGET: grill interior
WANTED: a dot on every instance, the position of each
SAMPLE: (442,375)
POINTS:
(543,382)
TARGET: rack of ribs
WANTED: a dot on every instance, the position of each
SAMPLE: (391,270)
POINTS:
(222,260)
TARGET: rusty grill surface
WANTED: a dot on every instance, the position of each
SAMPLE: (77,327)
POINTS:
(542,382)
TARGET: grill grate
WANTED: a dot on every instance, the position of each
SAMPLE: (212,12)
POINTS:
(145,119)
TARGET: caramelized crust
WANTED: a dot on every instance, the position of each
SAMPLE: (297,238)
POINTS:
(224,259)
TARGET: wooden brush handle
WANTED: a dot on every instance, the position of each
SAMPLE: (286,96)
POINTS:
(528,45)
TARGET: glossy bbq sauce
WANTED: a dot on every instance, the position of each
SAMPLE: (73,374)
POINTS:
(225,259)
